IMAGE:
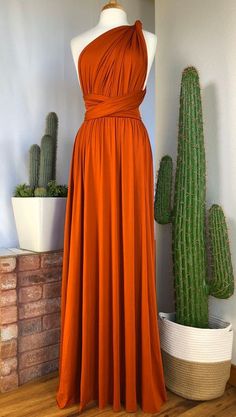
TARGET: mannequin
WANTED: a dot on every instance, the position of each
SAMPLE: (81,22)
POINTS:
(112,15)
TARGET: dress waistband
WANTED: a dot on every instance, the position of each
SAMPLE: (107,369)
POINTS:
(127,105)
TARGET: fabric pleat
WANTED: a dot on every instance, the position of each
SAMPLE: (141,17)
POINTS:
(109,346)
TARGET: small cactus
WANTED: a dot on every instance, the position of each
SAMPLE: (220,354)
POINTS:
(222,282)
(162,204)
(52,130)
(40,192)
(46,160)
(34,162)
(42,165)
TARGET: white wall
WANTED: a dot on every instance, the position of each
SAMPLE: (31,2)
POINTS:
(200,33)
(37,75)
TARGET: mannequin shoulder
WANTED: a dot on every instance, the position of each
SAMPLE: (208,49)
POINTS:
(151,40)
(77,42)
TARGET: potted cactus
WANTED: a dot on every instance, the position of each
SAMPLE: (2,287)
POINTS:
(39,207)
(196,346)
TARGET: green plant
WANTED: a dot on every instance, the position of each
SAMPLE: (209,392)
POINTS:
(34,162)
(162,203)
(23,190)
(40,192)
(47,156)
(52,130)
(223,284)
(42,165)
(54,190)
(42,160)
(188,216)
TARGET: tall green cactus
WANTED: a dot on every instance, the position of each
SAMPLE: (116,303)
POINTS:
(34,162)
(188,217)
(52,129)
(46,160)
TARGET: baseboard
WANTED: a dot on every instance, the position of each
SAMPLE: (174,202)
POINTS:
(232,379)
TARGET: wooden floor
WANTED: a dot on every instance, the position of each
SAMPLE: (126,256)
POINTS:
(37,399)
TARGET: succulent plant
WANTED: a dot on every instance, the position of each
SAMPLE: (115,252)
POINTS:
(42,161)
(42,165)
(34,162)
(46,160)
(188,216)
(52,130)
(55,190)
(40,192)
(23,190)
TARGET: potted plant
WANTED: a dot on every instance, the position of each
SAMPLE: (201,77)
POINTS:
(196,347)
(39,207)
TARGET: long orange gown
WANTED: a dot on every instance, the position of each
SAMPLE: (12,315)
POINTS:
(109,347)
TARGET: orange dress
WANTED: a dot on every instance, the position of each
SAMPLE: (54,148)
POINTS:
(109,347)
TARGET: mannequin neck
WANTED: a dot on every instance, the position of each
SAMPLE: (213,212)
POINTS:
(113,17)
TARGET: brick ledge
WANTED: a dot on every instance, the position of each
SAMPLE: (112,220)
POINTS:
(30,287)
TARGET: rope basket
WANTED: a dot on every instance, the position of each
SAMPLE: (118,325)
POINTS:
(196,361)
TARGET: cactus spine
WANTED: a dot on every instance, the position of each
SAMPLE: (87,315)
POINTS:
(188,217)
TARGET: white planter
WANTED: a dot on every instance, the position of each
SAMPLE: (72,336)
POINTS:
(40,222)
(196,361)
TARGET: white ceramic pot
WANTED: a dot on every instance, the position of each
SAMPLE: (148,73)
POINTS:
(40,222)
(196,361)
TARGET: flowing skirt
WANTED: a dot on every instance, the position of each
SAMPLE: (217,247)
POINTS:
(110,350)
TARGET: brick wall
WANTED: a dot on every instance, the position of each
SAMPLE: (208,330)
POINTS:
(30,286)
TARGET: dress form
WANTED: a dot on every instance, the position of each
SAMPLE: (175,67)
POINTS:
(110,18)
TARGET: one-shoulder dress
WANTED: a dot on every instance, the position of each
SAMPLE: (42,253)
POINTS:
(109,341)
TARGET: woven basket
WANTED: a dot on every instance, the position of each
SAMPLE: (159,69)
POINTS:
(196,361)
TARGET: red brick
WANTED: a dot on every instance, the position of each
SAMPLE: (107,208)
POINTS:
(38,308)
(9,382)
(9,332)
(29,326)
(52,290)
(7,366)
(7,264)
(8,314)
(8,298)
(39,276)
(8,349)
(28,262)
(35,341)
(51,259)
(37,356)
(7,281)
(51,321)
(37,371)
(32,293)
